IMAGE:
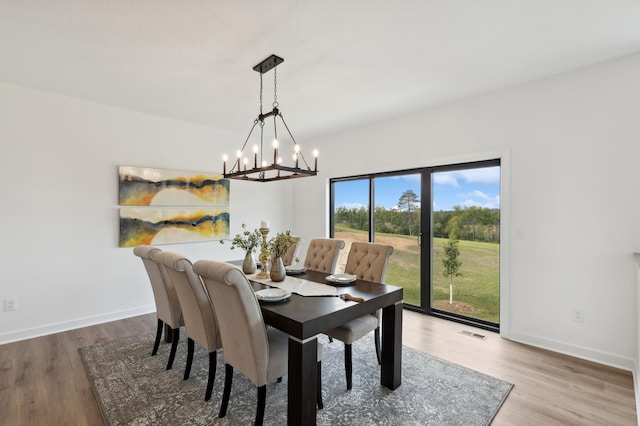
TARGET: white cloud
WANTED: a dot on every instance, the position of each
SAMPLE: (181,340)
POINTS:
(447,178)
(480,199)
(485,175)
(409,178)
(488,175)
(479,194)
(350,206)
(471,203)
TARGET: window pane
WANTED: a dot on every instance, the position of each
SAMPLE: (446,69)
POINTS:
(397,223)
(466,214)
(350,215)
(459,202)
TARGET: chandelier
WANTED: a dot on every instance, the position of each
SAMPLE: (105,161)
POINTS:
(263,166)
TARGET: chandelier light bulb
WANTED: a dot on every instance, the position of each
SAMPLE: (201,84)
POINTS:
(255,156)
(275,151)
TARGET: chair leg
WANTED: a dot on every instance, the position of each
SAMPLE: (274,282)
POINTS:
(347,364)
(190,348)
(228,378)
(376,337)
(319,396)
(212,374)
(330,339)
(262,398)
(174,345)
(156,344)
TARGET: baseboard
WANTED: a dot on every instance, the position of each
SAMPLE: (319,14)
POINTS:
(30,333)
(599,357)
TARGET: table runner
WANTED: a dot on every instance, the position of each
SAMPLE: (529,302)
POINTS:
(298,285)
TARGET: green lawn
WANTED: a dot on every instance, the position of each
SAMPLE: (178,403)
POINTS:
(476,293)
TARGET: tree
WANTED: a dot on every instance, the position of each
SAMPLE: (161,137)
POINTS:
(453,228)
(409,202)
(451,263)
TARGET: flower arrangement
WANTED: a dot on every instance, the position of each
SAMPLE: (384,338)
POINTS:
(247,240)
(279,244)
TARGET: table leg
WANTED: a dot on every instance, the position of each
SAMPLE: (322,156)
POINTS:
(303,380)
(391,370)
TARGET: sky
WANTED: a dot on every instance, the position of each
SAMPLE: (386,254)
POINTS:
(465,188)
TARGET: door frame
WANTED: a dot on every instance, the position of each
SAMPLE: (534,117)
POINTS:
(503,158)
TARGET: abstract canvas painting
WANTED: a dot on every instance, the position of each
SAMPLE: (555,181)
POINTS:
(142,186)
(148,225)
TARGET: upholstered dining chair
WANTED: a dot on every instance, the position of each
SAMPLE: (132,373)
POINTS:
(291,254)
(260,353)
(368,261)
(322,254)
(200,322)
(167,305)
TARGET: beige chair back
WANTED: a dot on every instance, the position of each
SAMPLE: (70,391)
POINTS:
(292,253)
(242,327)
(167,304)
(322,254)
(368,261)
(199,317)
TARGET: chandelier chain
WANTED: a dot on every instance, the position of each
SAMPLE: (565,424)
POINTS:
(275,88)
(260,94)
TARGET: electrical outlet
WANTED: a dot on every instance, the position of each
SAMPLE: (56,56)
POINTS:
(10,304)
(578,315)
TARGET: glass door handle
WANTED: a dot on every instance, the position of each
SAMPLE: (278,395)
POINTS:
(419,239)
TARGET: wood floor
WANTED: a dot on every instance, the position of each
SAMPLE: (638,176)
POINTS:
(42,380)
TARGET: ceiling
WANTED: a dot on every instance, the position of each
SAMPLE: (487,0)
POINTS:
(347,63)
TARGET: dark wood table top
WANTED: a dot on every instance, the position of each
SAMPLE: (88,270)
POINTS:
(306,316)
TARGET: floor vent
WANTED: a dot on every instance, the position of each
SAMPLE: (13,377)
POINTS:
(472,334)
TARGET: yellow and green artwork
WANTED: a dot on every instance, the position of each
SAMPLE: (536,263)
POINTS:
(171,206)
(143,186)
(139,225)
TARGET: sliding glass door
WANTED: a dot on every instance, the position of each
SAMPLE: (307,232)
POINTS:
(465,244)
(396,219)
(444,225)
(351,214)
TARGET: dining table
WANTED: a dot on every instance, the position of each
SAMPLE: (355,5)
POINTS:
(304,318)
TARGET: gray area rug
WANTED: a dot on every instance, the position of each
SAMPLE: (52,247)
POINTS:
(133,388)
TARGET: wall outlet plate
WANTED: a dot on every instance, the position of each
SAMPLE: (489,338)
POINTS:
(10,305)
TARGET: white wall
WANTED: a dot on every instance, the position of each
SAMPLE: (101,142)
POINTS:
(58,185)
(571,147)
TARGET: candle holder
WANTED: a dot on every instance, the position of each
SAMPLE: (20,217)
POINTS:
(264,255)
